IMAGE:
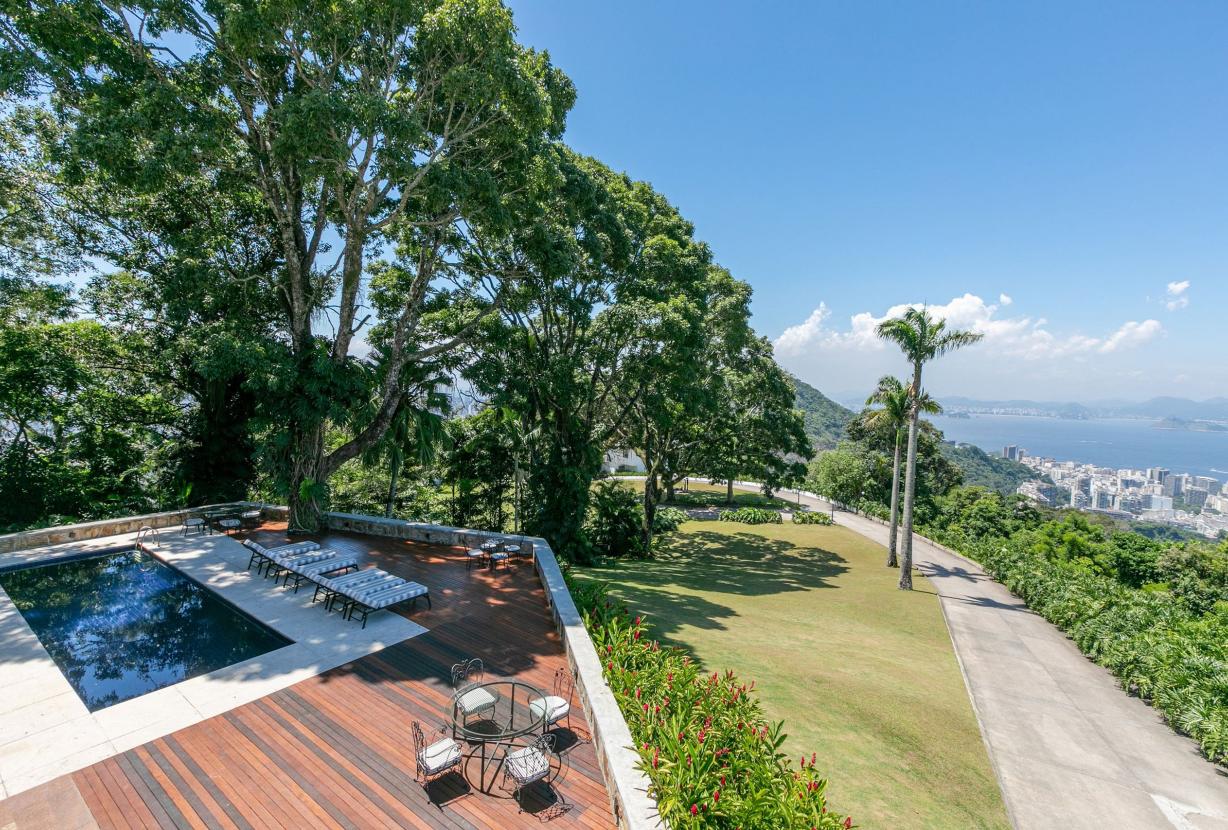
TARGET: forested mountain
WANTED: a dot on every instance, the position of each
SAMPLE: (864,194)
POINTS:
(984,470)
(825,419)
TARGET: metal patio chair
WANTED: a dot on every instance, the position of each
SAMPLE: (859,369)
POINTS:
(556,706)
(436,759)
(476,700)
(528,765)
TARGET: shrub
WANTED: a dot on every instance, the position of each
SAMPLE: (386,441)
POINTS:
(752,516)
(667,519)
(803,517)
(711,756)
(615,519)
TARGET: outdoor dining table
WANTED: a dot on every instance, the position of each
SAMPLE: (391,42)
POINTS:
(213,517)
(510,719)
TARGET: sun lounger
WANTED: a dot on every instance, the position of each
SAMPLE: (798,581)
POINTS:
(302,572)
(379,601)
(261,554)
(280,563)
(331,587)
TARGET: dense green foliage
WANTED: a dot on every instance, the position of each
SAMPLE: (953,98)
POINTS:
(296,231)
(824,419)
(980,469)
(703,741)
(841,475)
(811,517)
(1154,613)
(751,516)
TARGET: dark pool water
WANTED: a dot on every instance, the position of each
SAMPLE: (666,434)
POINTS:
(122,625)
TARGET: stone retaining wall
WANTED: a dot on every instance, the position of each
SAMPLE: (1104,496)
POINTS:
(63,534)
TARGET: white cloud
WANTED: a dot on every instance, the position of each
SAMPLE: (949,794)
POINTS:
(1019,356)
(1131,334)
(1004,299)
(1020,337)
(1177,298)
(795,339)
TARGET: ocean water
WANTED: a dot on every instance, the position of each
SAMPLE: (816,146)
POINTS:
(1108,442)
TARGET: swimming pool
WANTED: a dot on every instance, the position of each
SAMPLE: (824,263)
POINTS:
(124,624)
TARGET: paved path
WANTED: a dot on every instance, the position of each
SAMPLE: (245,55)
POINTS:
(1070,748)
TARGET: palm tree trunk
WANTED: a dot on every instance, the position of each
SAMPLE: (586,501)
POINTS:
(910,485)
(892,562)
(392,484)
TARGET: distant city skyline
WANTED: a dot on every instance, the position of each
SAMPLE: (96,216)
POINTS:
(1052,174)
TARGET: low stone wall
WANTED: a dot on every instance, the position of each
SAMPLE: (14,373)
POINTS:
(626,785)
(64,534)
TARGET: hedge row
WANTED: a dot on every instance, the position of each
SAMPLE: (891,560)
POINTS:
(711,756)
(805,517)
(752,516)
(1148,639)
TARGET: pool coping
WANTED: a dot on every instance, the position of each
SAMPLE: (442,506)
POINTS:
(47,731)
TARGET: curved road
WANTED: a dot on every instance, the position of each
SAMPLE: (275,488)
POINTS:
(1071,749)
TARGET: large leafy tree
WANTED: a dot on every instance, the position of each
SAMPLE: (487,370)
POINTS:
(362,127)
(921,338)
(669,424)
(759,434)
(608,291)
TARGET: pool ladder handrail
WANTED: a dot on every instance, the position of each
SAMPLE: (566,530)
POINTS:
(146,532)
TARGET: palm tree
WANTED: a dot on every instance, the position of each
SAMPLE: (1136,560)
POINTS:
(891,395)
(922,339)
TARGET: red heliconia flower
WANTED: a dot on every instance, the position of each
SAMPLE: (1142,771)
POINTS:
(638,620)
(694,810)
(813,755)
(637,635)
(645,707)
(610,665)
(656,755)
(848,822)
(716,796)
(722,780)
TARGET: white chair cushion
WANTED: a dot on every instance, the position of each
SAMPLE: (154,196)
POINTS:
(439,755)
(474,552)
(553,705)
(528,765)
(475,700)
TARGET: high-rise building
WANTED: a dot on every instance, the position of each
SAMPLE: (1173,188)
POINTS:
(1159,502)
(1157,474)
(1211,485)
(1174,485)
(1196,496)
(1011,451)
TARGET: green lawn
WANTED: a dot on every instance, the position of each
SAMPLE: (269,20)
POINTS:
(861,673)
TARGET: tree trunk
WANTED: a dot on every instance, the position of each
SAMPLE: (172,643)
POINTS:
(308,478)
(669,489)
(895,505)
(729,491)
(651,497)
(910,485)
(392,484)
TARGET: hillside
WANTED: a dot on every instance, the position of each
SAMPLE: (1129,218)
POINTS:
(825,419)
(984,470)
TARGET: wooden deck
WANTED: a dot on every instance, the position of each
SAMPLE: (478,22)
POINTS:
(336,750)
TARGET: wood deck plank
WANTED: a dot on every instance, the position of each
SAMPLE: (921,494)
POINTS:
(336,750)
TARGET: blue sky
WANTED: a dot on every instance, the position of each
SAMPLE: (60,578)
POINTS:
(1040,171)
